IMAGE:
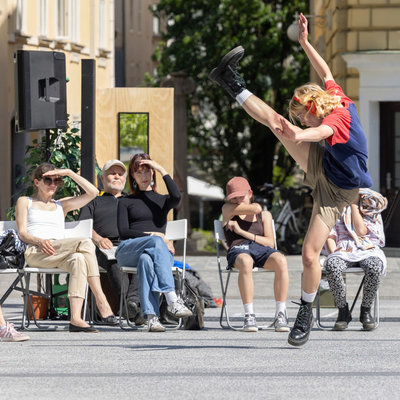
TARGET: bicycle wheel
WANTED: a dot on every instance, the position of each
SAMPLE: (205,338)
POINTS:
(293,238)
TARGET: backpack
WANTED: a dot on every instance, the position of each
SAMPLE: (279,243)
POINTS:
(11,255)
(195,304)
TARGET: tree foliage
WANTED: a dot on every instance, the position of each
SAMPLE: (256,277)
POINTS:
(133,130)
(223,140)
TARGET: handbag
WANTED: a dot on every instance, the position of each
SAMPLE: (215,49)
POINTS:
(194,302)
(10,257)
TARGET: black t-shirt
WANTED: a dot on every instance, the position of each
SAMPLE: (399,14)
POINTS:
(146,211)
(104,212)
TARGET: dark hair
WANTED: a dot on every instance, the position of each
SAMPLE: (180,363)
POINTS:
(134,165)
(42,169)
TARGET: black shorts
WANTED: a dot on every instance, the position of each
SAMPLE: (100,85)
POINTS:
(256,251)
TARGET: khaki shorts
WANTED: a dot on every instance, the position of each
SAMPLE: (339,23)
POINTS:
(329,199)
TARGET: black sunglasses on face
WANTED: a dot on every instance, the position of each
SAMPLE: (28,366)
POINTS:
(48,181)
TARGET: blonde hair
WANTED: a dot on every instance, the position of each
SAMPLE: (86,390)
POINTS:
(315,100)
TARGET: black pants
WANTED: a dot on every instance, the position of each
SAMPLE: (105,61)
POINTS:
(114,277)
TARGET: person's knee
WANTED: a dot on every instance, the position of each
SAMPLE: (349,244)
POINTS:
(78,264)
(244,263)
(145,262)
(279,263)
(87,245)
(310,257)
(331,265)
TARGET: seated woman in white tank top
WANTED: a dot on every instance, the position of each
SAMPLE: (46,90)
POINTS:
(40,222)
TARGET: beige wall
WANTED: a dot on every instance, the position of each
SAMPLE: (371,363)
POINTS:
(86,45)
(353,26)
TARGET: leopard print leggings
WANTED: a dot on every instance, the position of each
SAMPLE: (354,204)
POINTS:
(372,267)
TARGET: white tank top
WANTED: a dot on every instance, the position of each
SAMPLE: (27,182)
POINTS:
(46,224)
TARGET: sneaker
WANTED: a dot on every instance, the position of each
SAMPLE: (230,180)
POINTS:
(9,334)
(154,325)
(226,74)
(281,323)
(250,323)
(302,326)
(367,319)
(343,319)
(179,310)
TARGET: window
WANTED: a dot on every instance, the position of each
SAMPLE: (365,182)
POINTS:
(156,23)
(74,20)
(43,18)
(20,16)
(61,19)
(102,25)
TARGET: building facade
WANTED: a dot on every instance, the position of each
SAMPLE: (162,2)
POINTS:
(81,30)
(360,40)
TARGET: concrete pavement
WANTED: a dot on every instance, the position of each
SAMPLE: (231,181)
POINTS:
(213,363)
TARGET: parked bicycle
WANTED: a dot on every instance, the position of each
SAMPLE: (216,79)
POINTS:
(291,211)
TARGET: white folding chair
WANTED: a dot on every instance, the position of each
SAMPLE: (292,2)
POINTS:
(73,229)
(219,239)
(175,230)
(353,270)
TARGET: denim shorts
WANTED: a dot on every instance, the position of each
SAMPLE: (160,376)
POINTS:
(256,251)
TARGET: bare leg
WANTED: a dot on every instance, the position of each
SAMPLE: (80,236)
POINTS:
(244,263)
(277,262)
(101,300)
(264,114)
(76,304)
(315,239)
(2,320)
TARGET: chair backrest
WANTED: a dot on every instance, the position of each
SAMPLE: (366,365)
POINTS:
(72,229)
(5,225)
(81,228)
(176,230)
(219,233)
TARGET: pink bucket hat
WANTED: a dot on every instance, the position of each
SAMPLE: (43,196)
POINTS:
(237,187)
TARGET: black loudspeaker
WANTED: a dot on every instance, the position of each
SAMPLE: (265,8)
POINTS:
(40,90)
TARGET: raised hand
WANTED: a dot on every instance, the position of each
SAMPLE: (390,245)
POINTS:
(303,29)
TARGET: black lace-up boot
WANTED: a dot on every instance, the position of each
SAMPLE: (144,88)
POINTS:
(343,319)
(226,75)
(302,326)
(366,319)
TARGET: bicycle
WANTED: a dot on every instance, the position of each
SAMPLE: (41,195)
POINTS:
(290,223)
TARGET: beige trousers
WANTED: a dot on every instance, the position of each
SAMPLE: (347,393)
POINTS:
(74,255)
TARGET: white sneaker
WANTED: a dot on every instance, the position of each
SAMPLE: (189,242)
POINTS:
(154,325)
(281,323)
(250,323)
(179,310)
(9,334)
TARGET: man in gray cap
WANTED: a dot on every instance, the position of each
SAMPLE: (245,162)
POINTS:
(103,210)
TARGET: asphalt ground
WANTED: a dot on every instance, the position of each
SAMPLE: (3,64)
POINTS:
(213,363)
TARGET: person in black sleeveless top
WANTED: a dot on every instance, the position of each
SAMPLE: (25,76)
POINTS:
(142,219)
(250,237)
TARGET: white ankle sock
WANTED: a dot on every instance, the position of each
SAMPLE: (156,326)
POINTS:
(280,306)
(243,96)
(170,297)
(248,308)
(308,297)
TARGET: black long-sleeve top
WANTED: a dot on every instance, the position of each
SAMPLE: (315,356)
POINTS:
(146,211)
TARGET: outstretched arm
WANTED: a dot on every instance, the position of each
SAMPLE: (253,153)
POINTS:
(319,64)
(229,210)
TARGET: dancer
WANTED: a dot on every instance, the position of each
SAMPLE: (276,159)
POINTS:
(251,240)
(335,171)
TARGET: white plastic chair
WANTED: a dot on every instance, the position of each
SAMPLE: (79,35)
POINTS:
(72,229)
(351,270)
(219,239)
(175,230)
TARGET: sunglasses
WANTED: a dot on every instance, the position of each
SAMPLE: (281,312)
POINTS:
(48,181)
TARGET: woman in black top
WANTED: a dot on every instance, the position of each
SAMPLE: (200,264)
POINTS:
(250,237)
(142,219)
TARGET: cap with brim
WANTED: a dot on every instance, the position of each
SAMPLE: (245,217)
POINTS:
(111,163)
(237,187)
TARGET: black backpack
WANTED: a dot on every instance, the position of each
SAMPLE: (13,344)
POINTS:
(10,257)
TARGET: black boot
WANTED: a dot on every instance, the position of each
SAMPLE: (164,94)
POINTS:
(366,319)
(302,326)
(343,319)
(226,75)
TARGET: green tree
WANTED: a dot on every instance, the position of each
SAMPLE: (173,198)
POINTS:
(223,140)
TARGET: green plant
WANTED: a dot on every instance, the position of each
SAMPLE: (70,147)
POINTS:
(64,152)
